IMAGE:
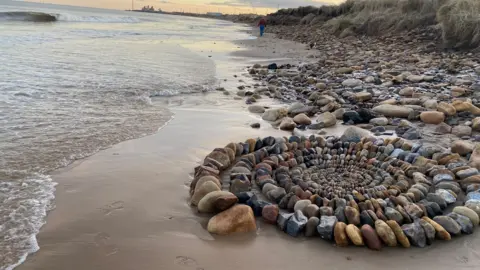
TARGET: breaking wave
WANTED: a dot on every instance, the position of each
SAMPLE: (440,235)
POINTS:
(47,17)
(27,16)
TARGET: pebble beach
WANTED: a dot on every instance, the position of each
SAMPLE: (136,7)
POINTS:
(355,152)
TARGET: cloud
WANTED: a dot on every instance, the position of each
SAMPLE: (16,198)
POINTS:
(271,3)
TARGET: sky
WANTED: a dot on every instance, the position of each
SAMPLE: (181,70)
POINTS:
(224,6)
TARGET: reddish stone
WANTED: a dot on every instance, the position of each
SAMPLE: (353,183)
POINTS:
(371,237)
(270,213)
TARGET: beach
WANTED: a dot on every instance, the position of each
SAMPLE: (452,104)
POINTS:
(126,205)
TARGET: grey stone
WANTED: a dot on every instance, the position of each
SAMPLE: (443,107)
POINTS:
(432,197)
(282,220)
(296,223)
(449,224)
(447,196)
(415,234)
(464,222)
(441,178)
(393,214)
(428,229)
(326,226)
(311,227)
(467,173)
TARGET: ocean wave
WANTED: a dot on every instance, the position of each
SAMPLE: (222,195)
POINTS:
(25,199)
(97,19)
(48,17)
(27,16)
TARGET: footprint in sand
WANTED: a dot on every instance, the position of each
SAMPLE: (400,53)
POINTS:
(187,261)
(102,240)
(110,208)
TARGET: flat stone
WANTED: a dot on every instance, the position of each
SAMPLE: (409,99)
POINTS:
(465,211)
(464,222)
(428,229)
(415,234)
(441,233)
(397,230)
(450,225)
(354,234)
(370,237)
(447,196)
(385,233)
(340,234)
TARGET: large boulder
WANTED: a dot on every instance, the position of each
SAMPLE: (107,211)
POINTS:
(393,110)
(237,219)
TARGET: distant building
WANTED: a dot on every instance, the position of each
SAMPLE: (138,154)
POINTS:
(214,14)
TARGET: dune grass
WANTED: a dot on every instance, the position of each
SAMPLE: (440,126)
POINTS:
(459,20)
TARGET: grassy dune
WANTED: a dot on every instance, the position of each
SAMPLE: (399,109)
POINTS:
(457,20)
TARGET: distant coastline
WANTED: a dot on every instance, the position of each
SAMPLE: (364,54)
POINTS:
(241,18)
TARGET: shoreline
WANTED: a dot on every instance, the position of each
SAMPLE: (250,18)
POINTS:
(134,211)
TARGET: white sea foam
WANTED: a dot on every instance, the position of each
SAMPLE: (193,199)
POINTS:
(25,200)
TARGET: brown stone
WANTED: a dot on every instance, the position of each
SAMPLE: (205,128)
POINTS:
(370,237)
(270,213)
(441,233)
(352,214)
(237,219)
(203,190)
(354,234)
(432,117)
(340,234)
(400,236)
(385,233)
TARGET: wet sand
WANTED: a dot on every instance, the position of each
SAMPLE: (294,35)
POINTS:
(127,208)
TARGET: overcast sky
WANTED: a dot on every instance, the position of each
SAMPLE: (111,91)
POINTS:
(239,6)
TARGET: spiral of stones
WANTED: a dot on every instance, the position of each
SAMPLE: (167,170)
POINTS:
(362,183)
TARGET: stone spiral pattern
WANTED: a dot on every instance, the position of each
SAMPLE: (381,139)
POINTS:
(369,191)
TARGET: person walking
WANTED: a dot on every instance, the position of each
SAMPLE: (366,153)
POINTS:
(262,24)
